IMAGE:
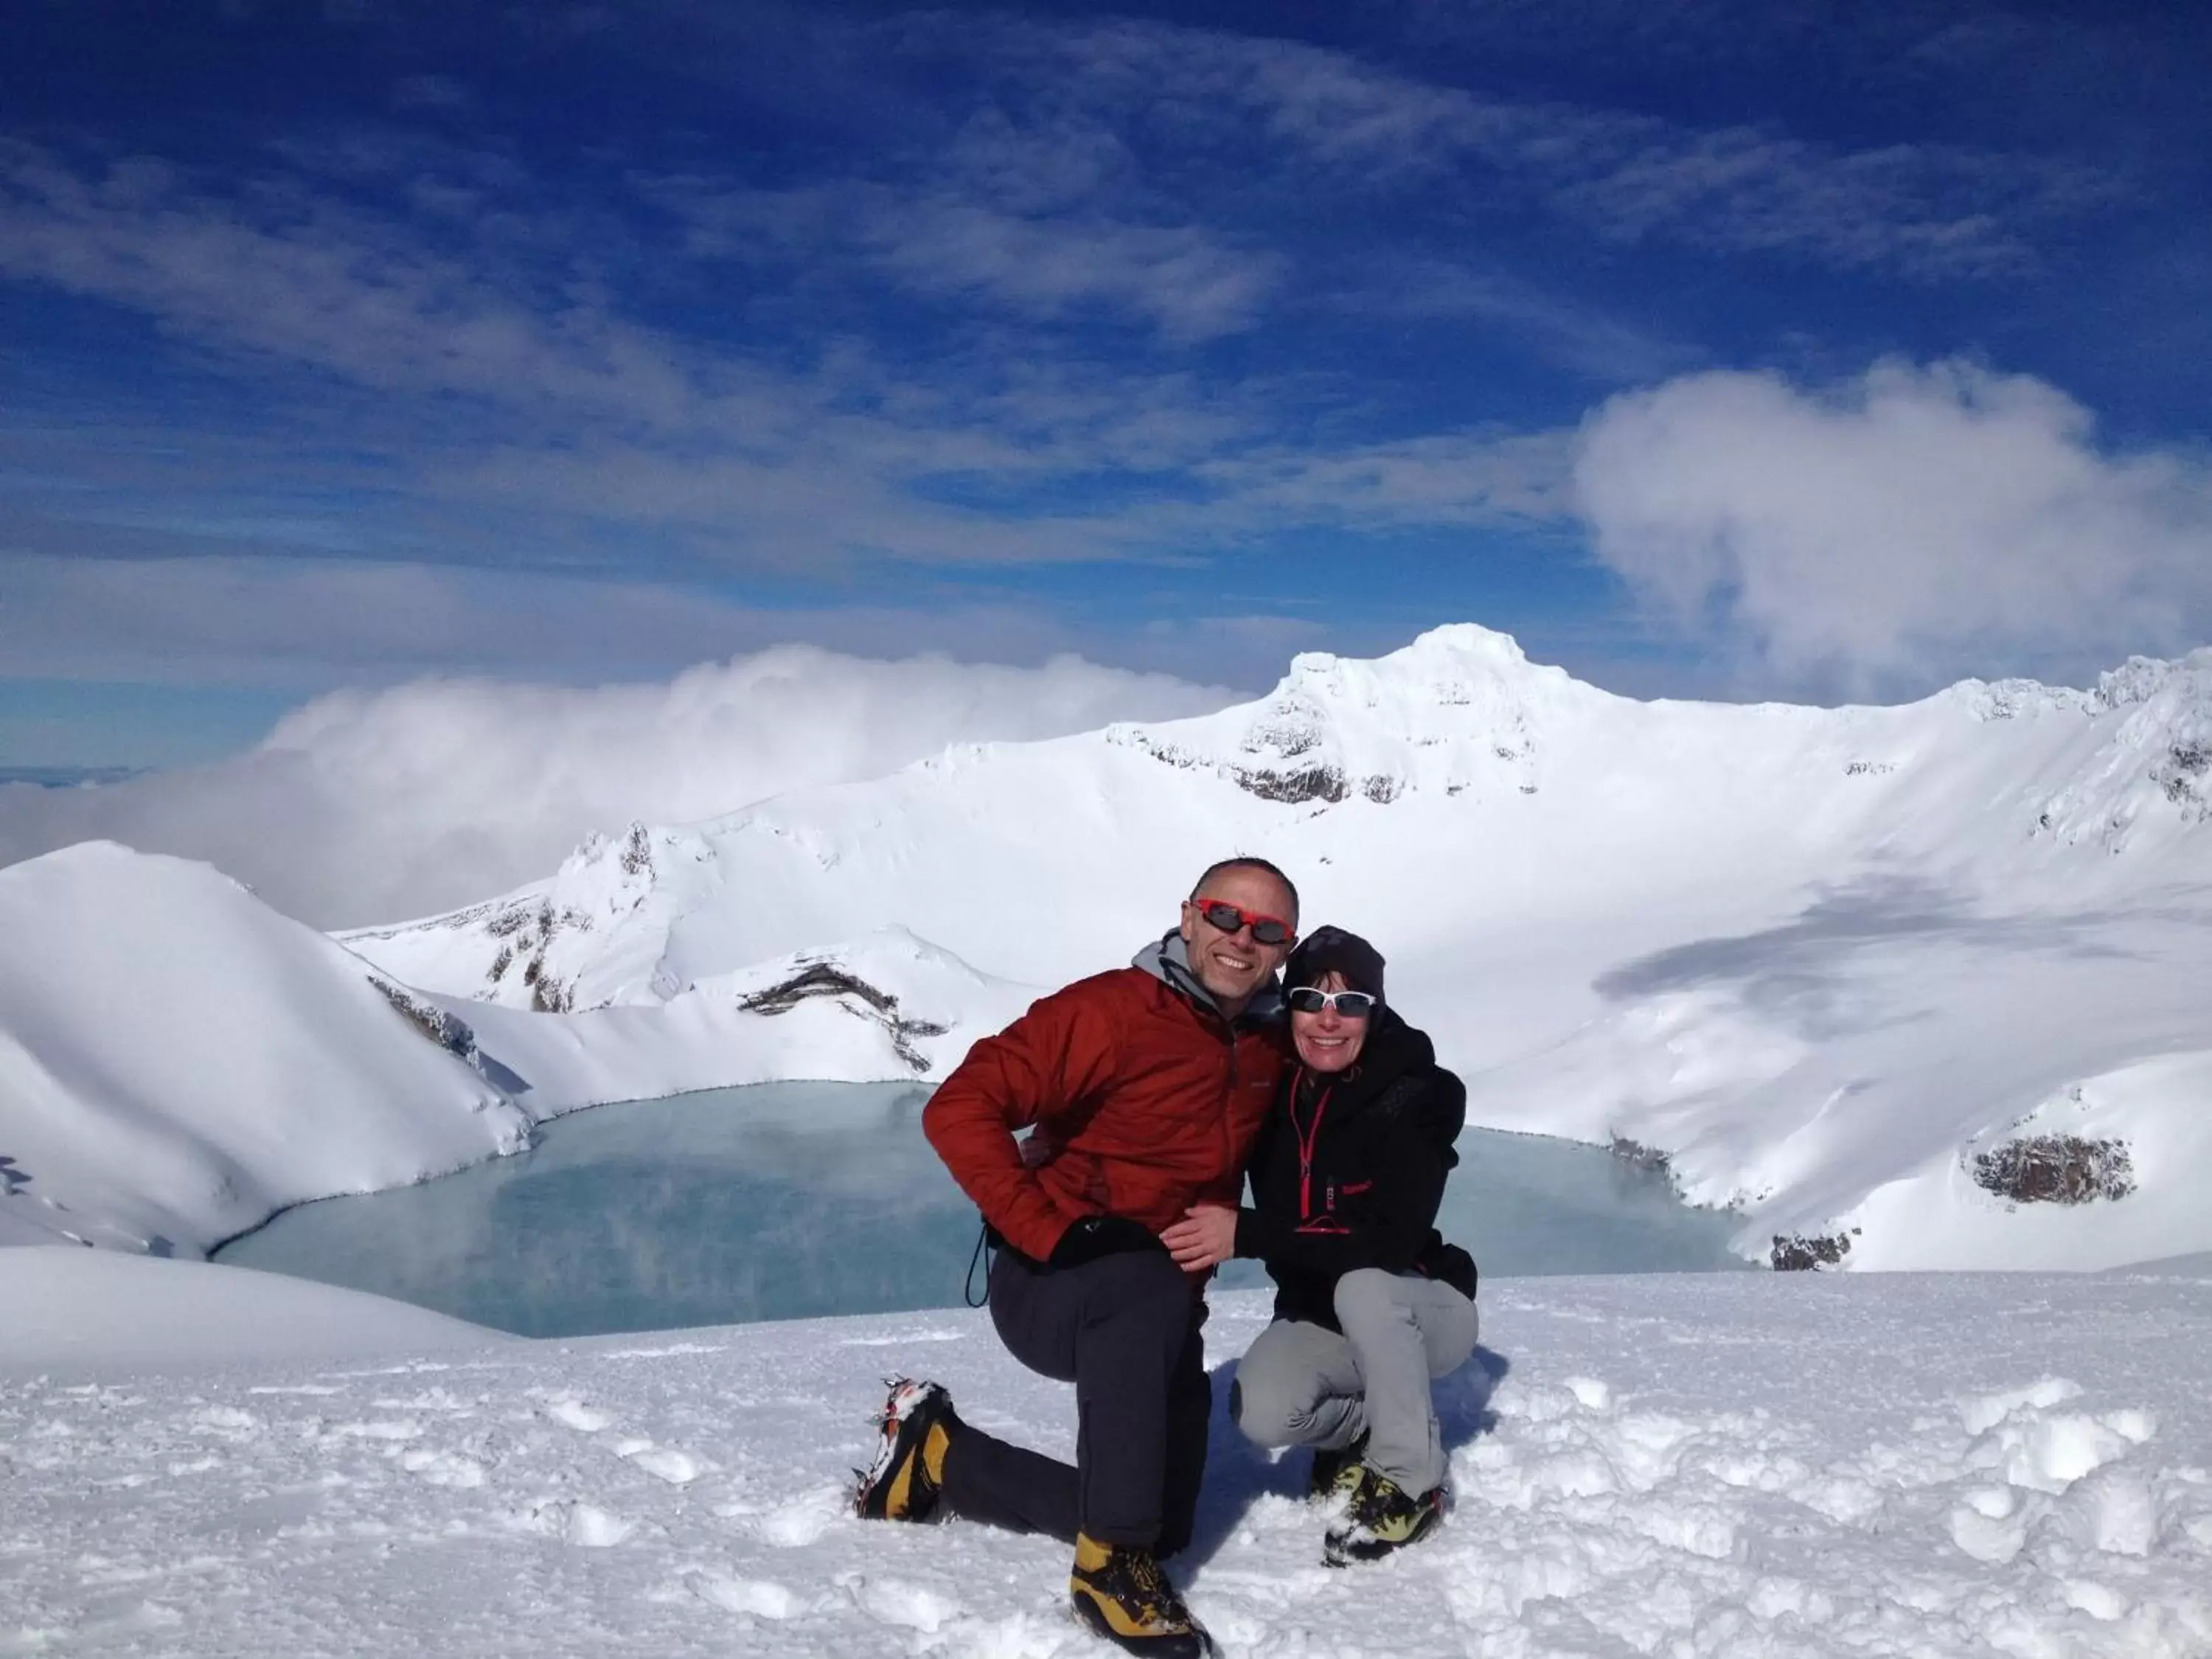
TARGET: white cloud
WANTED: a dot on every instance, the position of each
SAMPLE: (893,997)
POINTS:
(1915,523)
(373,806)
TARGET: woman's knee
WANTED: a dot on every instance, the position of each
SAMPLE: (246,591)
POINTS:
(1264,1412)
(1271,1403)
(1367,1295)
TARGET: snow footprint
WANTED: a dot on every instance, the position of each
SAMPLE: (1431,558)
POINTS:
(2048,1451)
(442,1469)
(574,1413)
(584,1525)
(763,1598)
(805,1518)
(662,1462)
(1589,1394)
(899,1601)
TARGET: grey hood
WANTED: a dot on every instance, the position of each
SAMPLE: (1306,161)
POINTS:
(1167,959)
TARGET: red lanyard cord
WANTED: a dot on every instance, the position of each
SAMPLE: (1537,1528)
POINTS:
(1308,1138)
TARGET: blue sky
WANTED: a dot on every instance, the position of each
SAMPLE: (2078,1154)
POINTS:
(347,345)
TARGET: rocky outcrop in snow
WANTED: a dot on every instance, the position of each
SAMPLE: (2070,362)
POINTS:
(2153,772)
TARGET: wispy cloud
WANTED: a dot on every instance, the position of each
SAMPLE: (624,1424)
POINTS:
(1930,210)
(954,239)
(1540,320)
(523,390)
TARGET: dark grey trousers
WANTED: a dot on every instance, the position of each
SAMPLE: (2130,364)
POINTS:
(1125,1329)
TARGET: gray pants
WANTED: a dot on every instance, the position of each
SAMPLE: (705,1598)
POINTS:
(1304,1385)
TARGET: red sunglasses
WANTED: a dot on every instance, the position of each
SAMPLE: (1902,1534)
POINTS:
(1266,930)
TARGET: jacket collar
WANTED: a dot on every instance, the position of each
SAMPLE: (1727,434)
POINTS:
(1167,959)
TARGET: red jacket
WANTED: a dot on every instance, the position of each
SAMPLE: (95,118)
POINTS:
(1153,1100)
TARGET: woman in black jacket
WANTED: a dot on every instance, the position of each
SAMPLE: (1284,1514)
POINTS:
(1371,1304)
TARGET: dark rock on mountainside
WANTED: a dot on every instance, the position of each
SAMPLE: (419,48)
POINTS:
(452,1035)
(2055,1170)
(1801,1252)
(823,979)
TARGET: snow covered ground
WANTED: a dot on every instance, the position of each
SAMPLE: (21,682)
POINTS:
(1710,1466)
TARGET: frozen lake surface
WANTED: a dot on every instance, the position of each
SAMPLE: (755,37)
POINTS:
(791,1200)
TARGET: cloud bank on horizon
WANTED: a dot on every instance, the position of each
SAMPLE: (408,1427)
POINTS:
(575,343)
(364,807)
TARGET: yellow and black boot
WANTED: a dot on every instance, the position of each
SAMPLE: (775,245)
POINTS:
(917,1426)
(1337,1473)
(1119,1590)
(1382,1517)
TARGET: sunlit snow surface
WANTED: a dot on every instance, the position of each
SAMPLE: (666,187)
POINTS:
(1741,1466)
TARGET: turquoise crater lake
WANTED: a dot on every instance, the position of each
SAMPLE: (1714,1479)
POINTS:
(789,1201)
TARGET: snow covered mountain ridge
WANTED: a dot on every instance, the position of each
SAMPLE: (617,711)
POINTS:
(1461,716)
(1873,976)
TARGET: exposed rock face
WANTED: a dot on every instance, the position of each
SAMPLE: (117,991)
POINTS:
(2160,752)
(823,979)
(1650,1160)
(2057,1169)
(452,1035)
(1323,783)
(1801,1252)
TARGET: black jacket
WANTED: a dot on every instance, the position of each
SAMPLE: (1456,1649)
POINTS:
(1348,1172)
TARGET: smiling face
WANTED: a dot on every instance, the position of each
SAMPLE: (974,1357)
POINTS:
(1232,966)
(1327,1041)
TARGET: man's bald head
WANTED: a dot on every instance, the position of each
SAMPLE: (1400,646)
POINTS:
(1230,961)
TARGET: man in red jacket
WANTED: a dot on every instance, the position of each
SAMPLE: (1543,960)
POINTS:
(1142,1089)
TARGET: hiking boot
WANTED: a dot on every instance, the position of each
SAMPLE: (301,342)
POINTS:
(1119,1592)
(902,1483)
(1382,1517)
(1337,1473)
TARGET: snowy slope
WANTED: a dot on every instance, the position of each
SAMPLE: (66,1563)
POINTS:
(83,1313)
(1728,1465)
(178,1061)
(1825,959)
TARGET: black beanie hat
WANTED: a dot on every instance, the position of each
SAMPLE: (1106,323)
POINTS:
(1328,950)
